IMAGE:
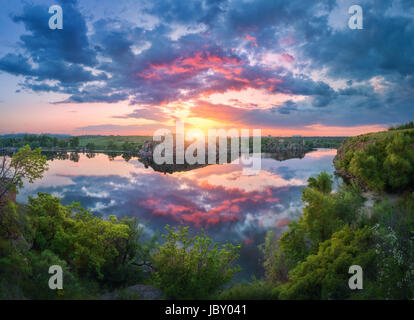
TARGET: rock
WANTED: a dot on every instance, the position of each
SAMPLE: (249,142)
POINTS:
(137,292)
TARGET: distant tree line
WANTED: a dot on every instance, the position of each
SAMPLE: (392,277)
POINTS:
(72,143)
(36,141)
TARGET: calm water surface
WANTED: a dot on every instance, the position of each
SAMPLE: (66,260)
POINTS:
(218,198)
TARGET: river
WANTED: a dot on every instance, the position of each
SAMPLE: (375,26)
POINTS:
(228,205)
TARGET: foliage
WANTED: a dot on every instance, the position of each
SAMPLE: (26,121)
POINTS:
(91,245)
(101,254)
(324,275)
(324,214)
(193,268)
(383,161)
(322,183)
(276,262)
(64,142)
(14,222)
(112,145)
(94,253)
(409,125)
(311,259)
(34,141)
(25,164)
(268,143)
(394,231)
(90,146)
(128,146)
(74,142)
(256,290)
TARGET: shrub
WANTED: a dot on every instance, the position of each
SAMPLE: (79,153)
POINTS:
(193,268)
(256,290)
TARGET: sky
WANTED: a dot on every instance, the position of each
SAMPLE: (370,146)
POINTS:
(130,67)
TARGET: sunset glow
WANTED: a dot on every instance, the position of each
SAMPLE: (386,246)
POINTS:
(132,77)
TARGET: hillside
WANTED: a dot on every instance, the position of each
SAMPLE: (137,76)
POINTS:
(382,161)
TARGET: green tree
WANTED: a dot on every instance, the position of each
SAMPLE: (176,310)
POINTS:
(74,142)
(193,268)
(393,229)
(255,290)
(112,145)
(63,144)
(90,146)
(91,244)
(383,162)
(409,125)
(127,146)
(324,275)
(94,253)
(55,142)
(323,183)
(324,214)
(25,164)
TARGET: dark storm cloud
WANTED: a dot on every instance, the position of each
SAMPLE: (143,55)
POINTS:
(384,47)
(186,12)
(52,55)
(286,108)
(62,57)
(48,69)
(69,44)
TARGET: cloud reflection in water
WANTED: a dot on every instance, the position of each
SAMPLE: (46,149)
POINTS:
(218,198)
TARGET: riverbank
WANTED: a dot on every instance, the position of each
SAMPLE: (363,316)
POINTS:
(132,144)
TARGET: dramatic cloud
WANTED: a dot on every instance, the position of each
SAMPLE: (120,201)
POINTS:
(187,51)
(54,56)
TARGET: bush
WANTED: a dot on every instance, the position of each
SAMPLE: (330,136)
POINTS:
(193,268)
(95,254)
(324,214)
(382,162)
(409,125)
(256,290)
(325,275)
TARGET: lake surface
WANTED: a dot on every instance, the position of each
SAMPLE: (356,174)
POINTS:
(228,205)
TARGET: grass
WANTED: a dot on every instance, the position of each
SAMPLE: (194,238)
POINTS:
(102,142)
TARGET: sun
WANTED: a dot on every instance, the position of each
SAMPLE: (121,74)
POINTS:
(193,134)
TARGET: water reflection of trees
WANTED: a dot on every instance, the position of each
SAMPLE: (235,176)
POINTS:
(126,156)
(166,168)
(75,156)
(171,168)
(58,155)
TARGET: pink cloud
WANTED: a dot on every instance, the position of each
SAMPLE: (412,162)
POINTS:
(194,64)
(252,40)
(287,40)
(283,222)
(227,210)
(287,57)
